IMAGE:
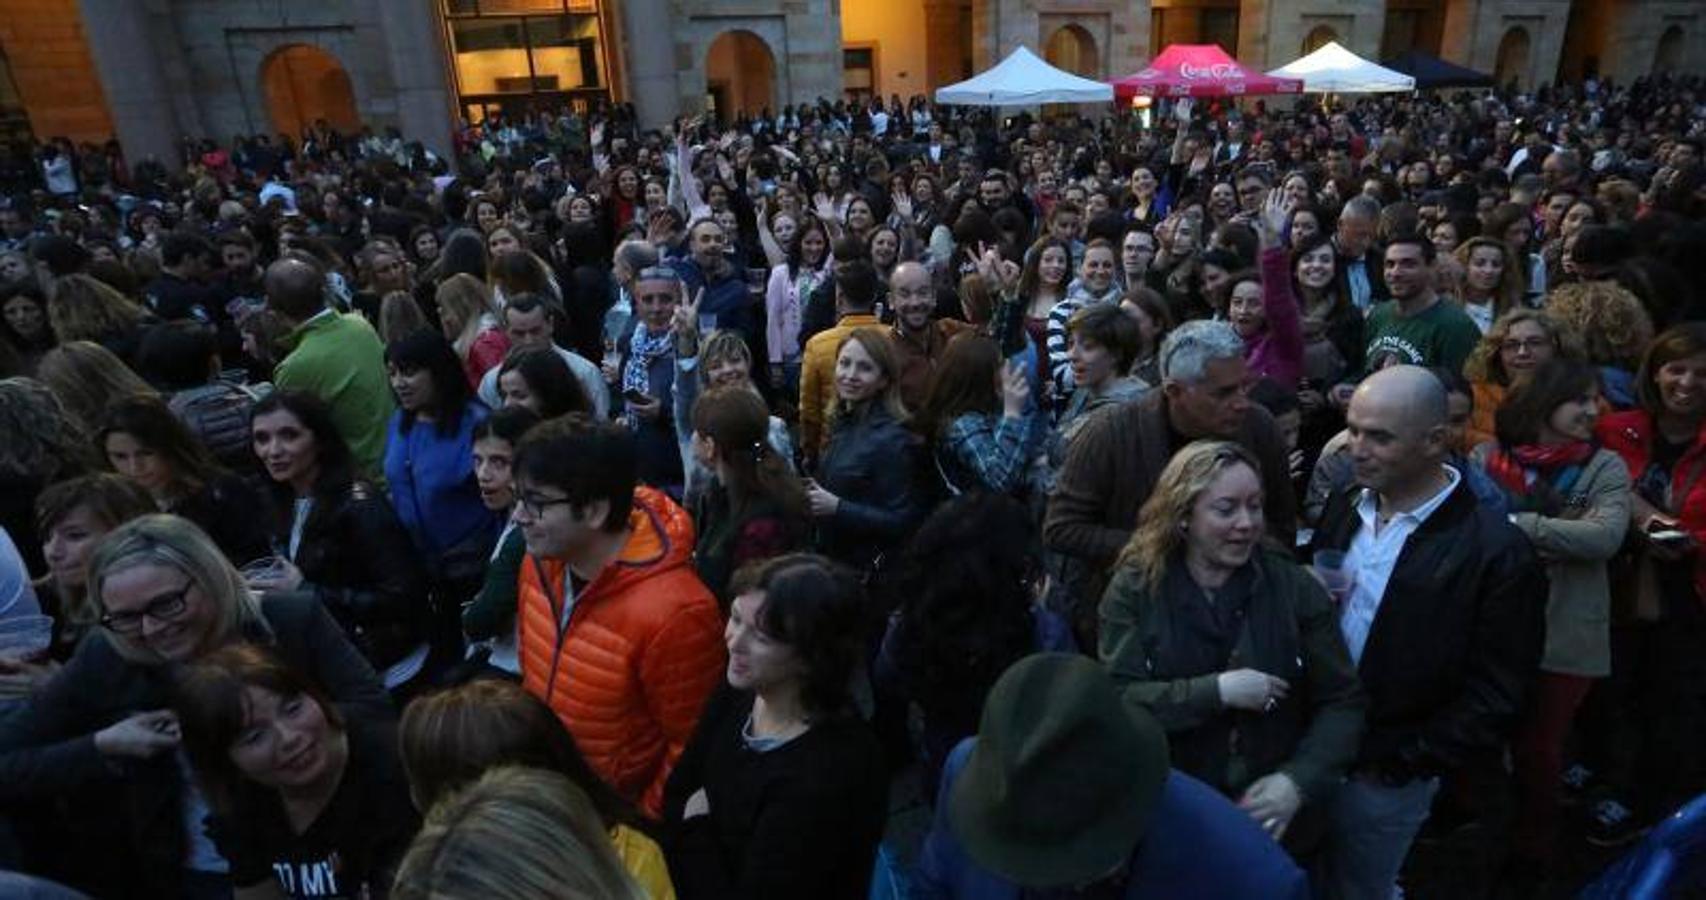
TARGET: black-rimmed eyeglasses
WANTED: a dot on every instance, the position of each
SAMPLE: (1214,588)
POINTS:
(163,608)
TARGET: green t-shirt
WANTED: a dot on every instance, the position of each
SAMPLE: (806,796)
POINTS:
(340,359)
(1441,335)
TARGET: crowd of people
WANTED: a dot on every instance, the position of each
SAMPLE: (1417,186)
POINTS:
(1195,503)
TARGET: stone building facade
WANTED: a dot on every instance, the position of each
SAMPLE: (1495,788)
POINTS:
(154,71)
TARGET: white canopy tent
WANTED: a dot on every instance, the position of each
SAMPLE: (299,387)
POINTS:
(1023,79)
(1335,70)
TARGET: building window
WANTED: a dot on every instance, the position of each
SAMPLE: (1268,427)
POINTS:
(510,56)
(859,73)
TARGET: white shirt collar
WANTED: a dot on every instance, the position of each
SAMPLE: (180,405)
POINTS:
(1368,506)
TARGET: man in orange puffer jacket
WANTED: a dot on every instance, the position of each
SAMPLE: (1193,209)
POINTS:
(616,632)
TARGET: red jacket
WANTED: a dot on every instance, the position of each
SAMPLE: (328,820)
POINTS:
(1630,434)
(642,650)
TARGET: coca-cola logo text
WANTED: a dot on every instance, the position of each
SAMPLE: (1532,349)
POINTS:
(1216,70)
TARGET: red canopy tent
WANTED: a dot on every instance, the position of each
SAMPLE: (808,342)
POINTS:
(1200,70)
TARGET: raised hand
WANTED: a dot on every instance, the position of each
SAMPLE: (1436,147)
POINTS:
(824,207)
(999,273)
(1275,210)
(657,228)
(903,205)
(1015,390)
(685,321)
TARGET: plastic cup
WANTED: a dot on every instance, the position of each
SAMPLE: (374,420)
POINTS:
(265,569)
(25,637)
(1330,568)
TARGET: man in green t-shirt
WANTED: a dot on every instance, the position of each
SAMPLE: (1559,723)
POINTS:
(337,358)
(1417,326)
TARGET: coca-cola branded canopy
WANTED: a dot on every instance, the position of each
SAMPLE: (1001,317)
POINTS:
(1200,70)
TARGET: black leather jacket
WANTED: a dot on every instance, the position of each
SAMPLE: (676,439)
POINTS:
(872,463)
(357,557)
(1456,643)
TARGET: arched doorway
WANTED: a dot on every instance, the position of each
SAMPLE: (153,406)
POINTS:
(1512,61)
(740,74)
(1318,38)
(1669,56)
(1073,49)
(305,84)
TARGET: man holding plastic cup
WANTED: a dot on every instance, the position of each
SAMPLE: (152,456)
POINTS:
(1443,615)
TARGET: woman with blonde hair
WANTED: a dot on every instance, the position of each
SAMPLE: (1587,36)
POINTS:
(451,737)
(83,308)
(88,379)
(520,271)
(1492,283)
(862,496)
(470,324)
(166,597)
(1518,342)
(515,834)
(705,362)
(1235,648)
(1615,330)
(400,315)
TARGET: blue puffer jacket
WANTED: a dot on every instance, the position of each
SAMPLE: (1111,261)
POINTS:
(431,479)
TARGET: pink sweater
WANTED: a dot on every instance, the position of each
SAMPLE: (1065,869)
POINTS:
(1277,352)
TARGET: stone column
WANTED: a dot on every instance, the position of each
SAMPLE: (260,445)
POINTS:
(650,61)
(420,73)
(122,45)
(942,27)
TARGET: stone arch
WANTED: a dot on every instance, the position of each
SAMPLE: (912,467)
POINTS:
(1073,49)
(1669,57)
(740,74)
(1318,38)
(1511,62)
(303,84)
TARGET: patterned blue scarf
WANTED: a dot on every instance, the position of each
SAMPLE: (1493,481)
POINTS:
(643,349)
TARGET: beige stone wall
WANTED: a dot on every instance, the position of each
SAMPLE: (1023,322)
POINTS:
(900,33)
(1357,24)
(804,36)
(49,58)
(1119,29)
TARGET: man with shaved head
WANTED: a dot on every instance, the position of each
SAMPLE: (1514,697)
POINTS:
(1444,619)
(918,334)
(337,358)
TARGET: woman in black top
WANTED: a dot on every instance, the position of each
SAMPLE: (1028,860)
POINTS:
(781,793)
(339,538)
(864,497)
(754,508)
(301,796)
(146,442)
(100,736)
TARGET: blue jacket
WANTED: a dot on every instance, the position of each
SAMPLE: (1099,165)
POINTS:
(431,479)
(1199,846)
(726,297)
